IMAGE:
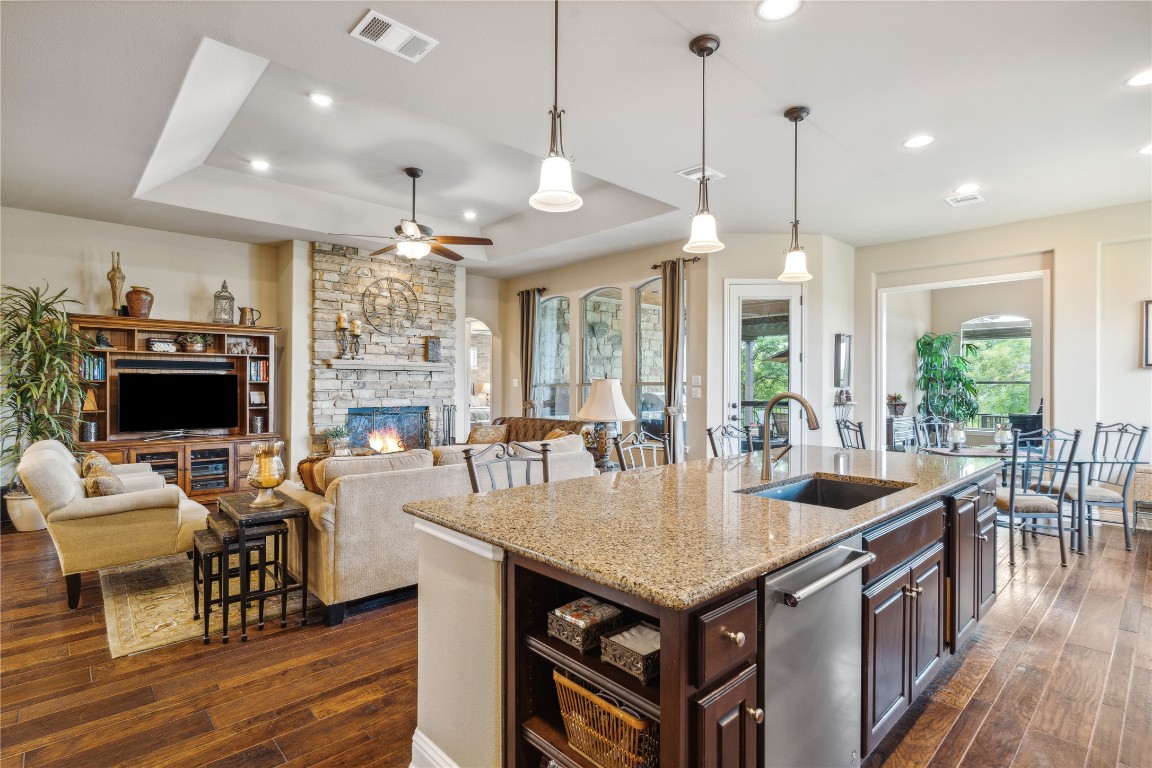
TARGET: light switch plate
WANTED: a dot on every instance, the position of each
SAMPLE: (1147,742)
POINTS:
(695,381)
(515,383)
(696,392)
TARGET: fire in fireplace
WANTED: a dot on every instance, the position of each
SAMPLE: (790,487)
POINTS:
(389,428)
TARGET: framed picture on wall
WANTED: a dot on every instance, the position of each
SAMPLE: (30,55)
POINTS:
(842,373)
(1148,334)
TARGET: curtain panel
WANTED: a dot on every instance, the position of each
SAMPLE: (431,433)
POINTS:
(529,315)
(672,271)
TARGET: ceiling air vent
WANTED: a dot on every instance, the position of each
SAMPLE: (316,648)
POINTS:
(693,173)
(957,200)
(392,36)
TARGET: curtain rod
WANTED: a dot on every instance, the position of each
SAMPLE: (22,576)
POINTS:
(692,260)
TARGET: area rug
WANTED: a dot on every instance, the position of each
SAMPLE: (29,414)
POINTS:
(148,604)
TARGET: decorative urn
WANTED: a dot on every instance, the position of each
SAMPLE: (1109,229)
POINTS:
(267,472)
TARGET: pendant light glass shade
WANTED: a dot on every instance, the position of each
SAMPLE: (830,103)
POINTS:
(703,237)
(413,249)
(555,193)
(795,261)
(795,267)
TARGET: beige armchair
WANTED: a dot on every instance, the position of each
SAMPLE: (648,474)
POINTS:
(93,533)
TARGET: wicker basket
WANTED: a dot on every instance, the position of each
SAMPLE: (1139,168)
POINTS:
(603,732)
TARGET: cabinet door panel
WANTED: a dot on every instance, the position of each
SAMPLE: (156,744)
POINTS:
(962,568)
(927,619)
(726,732)
(986,563)
(887,688)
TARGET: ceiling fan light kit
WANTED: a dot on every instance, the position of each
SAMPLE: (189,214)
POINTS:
(703,238)
(556,194)
(795,262)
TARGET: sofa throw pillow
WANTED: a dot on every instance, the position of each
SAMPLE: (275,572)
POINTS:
(307,471)
(557,434)
(92,460)
(101,482)
(487,433)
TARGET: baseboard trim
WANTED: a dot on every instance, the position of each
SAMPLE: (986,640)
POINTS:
(425,754)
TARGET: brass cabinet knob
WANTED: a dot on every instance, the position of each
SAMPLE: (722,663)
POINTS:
(756,714)
(737,638)
(913,591)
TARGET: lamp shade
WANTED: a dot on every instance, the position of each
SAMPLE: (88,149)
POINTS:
(413,249)
(703,238)
(795,267)
(486,388)
(555,194)
(605,403)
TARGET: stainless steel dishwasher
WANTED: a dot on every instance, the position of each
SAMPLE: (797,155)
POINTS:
(812,660)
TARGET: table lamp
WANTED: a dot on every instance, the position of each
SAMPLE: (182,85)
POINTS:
(486,390)
(605,406)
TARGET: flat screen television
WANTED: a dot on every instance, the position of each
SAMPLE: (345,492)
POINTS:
(169,402)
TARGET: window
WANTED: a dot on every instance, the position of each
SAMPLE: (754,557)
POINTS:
(1002,368)
(553,377)
(650,356)
(603,338)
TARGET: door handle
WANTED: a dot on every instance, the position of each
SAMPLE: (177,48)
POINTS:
(982,537)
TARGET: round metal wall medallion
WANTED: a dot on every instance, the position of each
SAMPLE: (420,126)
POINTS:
(390,305)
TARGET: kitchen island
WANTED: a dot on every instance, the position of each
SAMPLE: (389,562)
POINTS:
(680,547)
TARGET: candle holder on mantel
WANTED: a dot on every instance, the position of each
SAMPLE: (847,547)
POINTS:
(342,341)
(356,352)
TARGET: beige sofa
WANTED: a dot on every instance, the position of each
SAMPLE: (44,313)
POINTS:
(149,519)
(361,542)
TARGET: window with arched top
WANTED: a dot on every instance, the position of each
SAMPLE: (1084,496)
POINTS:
(1001,368)
(553,369)
(602,336)
(650,356)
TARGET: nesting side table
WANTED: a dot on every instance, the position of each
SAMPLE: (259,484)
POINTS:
(237,507)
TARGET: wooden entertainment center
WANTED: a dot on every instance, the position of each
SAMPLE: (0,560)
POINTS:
(204,465)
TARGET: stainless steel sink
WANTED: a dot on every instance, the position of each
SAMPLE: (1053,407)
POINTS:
(827,490)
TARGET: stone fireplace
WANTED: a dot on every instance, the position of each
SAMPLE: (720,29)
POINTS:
(394,382)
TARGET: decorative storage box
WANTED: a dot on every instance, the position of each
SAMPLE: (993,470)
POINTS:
(631,650)
(162,345)
(602,729)
(582,622)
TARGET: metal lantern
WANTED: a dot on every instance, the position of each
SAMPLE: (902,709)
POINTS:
(957,436)
(223,305)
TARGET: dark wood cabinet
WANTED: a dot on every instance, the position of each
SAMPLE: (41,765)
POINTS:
(727,723)
(986,561)
(971,558)
(927,617)
(886,656)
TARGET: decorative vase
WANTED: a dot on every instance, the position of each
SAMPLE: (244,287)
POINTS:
(192,346)
(267,472)
(338,446)
(24,512)
(139,301)
(896,409)
(88,431)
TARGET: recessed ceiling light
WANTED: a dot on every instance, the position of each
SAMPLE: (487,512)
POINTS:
(469,215)
(1144,78)
(321,99)
(774,10)
(260,165)
(922,140)
(1147,150)
(966,189)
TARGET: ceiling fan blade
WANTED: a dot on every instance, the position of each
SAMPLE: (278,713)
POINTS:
(386,249)
(447,253)
(454,240)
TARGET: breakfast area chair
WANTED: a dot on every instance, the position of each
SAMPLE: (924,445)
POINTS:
(729,440)
(1116,449)
(1036,477)
(932,432)
(640,449)
(851,434)
(506,465)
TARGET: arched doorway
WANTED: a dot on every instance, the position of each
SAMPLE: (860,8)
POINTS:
(479,345)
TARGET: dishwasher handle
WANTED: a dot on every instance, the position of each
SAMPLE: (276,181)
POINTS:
(793,598)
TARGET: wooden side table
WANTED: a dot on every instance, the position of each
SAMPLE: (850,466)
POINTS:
(238,508)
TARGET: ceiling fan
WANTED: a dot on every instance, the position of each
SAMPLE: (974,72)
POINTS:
(415,241)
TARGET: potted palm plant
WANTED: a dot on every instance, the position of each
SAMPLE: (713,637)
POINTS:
(42,390)
(942,376)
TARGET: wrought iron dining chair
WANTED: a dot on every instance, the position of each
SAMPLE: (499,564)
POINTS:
(1115,450)
(729,440)
(851,434)
(506,465)
(932,432)
(1035,490)
(640,449)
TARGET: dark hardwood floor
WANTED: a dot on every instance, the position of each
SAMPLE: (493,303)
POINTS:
(1059,675)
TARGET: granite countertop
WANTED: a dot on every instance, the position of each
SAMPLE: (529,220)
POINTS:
(680,534)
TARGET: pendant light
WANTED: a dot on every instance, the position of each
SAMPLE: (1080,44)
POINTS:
(795,262)
(703,236)
(556,194)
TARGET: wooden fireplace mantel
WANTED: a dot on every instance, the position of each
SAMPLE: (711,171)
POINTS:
(402,365)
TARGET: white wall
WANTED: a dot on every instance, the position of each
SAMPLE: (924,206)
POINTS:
(909,317)
(1124,388)
(183,271)
(1070,246)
